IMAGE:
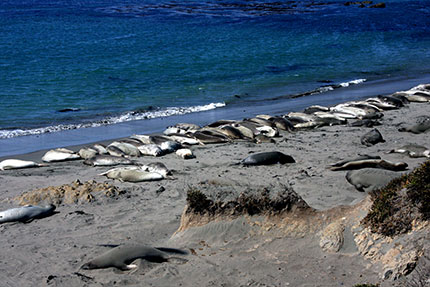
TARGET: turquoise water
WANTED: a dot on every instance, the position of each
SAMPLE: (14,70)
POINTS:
(72,64)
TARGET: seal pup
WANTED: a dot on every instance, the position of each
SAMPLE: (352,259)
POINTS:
(369,179)
(59,154)
(373,163)
(267,158)
(371,138)
(18,163)
(132,174)
(122,256)
(413,150)
(108,160)
(26,213)
(185,153)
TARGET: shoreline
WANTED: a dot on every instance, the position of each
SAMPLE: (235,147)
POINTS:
(222,252)
(23,145)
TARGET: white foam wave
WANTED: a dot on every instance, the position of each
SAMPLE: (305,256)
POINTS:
(353,82)
(129,116)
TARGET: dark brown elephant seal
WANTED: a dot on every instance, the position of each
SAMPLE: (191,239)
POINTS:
(371,138)
(266,158)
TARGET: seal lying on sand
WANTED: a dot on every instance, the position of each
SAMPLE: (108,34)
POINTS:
(26,213)
(374,163)
(266,158)
(122,256)
(59,154)
(108,160)
(17,163)
(421,127)
(413,150)
(132,174)
(371,138)
(369,179)
(360,157)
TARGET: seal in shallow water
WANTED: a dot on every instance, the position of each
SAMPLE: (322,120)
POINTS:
(122,256)
(26,213)
(266,158)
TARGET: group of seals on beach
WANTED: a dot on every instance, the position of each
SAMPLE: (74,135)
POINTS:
(365,173)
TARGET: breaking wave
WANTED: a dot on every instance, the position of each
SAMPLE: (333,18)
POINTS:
(125,117)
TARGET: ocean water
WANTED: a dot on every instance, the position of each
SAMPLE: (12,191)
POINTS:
(82,63)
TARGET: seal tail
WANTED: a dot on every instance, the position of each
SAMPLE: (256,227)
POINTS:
(172,250)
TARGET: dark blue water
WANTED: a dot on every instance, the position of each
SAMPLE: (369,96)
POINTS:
(72,64)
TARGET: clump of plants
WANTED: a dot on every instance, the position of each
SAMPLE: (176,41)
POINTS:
(198,201)
(400,202)
(419,189)
(252,203)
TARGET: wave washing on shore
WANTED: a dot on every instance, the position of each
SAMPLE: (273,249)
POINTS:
(129,116)
(151,114)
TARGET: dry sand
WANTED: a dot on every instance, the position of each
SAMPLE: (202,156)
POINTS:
(240,252)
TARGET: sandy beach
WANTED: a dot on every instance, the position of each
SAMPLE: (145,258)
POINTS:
(259,250)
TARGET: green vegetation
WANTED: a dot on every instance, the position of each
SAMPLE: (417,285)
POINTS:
(400,202)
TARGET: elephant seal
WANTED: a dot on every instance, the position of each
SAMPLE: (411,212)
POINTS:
(122,256)
(266,158)
(59,154)
(361,157)
(422,126)
(107,160)
(151,149)
(26,213)
(132,174)
(371,138)
(413,150)
(373,163)
(157,167)
(185,153)
(17,163)
(369,179)
(127,148)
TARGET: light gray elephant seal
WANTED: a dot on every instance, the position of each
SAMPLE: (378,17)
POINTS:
(413,150)
(371,138)
(369,179)
(266,158)
(122,256)
(26,213)
(421,126)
